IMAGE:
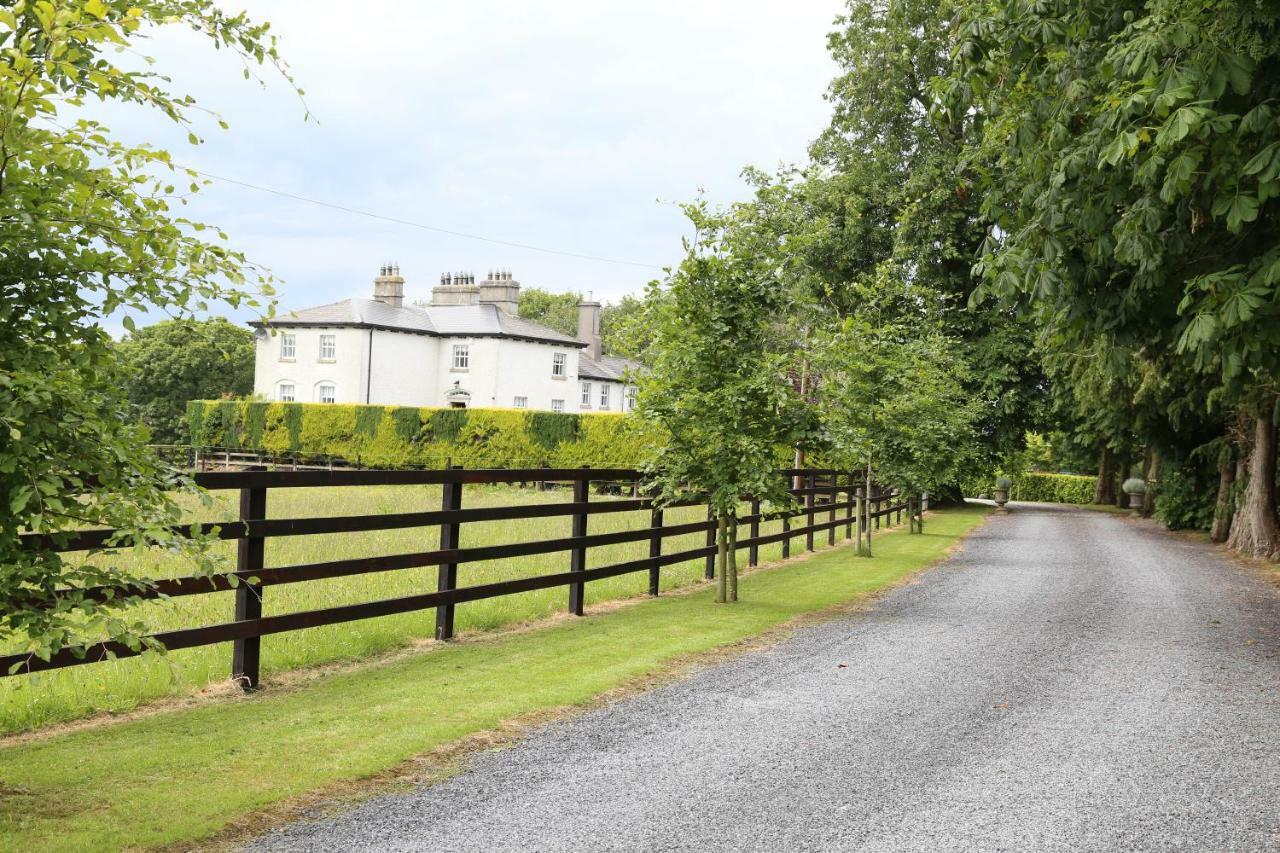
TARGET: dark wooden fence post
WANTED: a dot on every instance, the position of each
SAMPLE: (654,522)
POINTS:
(753,551)
(578,556)
(786,538)
(879,501)
(710,572)
(808,505)
(831,511)
(250,550)
(450,538)
(864,521)
(655,550)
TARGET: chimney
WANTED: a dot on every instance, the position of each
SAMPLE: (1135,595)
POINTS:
(501,290)
(589,326)
(388,287)
(455,288)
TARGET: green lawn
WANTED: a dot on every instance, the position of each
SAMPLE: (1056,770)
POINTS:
(182,775)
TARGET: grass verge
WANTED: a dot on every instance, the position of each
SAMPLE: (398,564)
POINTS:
(177,777)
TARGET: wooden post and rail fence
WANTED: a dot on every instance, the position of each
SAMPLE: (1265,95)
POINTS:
(252,579)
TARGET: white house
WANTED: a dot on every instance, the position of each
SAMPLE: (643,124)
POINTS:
(469,347)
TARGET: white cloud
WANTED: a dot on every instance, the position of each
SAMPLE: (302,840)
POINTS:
(571,125)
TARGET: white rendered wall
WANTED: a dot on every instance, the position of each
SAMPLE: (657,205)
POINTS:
(501,369)
(617,395)
(305,371)
(405,369)
(417,370)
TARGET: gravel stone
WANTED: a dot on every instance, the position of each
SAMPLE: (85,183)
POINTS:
(1070,680)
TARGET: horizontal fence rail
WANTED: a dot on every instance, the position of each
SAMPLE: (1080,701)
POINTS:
(827,500)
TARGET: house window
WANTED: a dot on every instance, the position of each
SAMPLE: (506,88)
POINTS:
(557,405)
(604,395)
(586,395)
(327,392)
(522,402)
(461,357)
(288,347)
(286,392)
(558,364)
(328,347)
(631,398)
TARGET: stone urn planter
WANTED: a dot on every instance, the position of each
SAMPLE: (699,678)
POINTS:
(1003,485)
(1136,489)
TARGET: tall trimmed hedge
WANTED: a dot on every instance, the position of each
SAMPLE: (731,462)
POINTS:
(1053,488)
(399,436)
(1039,487)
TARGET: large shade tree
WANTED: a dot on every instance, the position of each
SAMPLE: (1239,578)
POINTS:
(888,183)
(1132,178)
(88,229)
(170,363)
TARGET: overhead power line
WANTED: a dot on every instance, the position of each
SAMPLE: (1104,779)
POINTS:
(398,221)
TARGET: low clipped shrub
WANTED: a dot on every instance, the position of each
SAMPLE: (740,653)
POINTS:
(404,436)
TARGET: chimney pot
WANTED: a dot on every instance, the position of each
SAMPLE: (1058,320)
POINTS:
(388,287)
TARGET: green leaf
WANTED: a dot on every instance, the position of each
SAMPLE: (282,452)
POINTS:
(1243,209)
(1262,159)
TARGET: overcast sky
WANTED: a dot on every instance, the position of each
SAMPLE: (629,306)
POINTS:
(569,125)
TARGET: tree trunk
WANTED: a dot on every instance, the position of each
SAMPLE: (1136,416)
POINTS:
(1105,490)
(722,534)
(1255,529)
(1222,509)
(1152,476)
(798,480)
(868,506)
(1121,499)
(733,559)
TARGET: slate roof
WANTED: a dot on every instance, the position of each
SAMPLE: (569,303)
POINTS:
(437,320)
(610,367)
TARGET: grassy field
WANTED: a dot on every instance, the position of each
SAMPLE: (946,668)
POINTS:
(31,701)
(178,776)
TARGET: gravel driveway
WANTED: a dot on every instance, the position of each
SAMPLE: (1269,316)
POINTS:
(1070,680)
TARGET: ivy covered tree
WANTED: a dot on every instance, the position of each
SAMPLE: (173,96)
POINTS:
(87,231)
(1132,178)
(168,364)
(718,386)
